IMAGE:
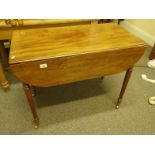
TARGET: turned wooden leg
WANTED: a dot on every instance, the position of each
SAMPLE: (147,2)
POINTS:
(31,102)
(4,55)
(125,82)
(3,80)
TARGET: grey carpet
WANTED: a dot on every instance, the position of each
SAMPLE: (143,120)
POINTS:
(86,107)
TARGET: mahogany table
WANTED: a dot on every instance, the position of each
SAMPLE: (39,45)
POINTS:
(54,56)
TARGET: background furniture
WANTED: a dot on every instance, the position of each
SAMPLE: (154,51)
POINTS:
(152,54)
(3,55)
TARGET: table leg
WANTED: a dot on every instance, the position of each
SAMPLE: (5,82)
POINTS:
(4,55)
(95,21)
(31,102)
(102,77)
(125,82)
(3,80)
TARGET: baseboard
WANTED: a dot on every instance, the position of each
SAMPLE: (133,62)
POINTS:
(149,39)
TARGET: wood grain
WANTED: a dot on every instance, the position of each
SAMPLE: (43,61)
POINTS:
(39,44)
(6,30)
(62,70)
(72,53)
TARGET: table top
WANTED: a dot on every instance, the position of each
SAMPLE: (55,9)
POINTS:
(45,43)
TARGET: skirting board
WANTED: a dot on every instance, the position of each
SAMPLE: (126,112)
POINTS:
(148,38)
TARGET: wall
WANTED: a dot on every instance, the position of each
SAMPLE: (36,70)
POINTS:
(143,28)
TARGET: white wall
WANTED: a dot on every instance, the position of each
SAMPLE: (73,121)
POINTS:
(143,28)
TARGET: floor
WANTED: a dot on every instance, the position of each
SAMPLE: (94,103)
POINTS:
(86,107)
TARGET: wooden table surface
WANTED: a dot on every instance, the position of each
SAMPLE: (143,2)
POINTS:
(72,53)
(39,44)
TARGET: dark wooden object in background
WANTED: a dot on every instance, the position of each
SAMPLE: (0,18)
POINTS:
(152,54)
(3,80)
(4,57)
(119,20)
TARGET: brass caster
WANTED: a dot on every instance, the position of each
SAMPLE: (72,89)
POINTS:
(36,126)
(118,103)
(36,123)
(117,107)
(33,94)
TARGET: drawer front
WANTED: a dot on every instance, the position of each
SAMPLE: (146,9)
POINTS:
(62,70)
